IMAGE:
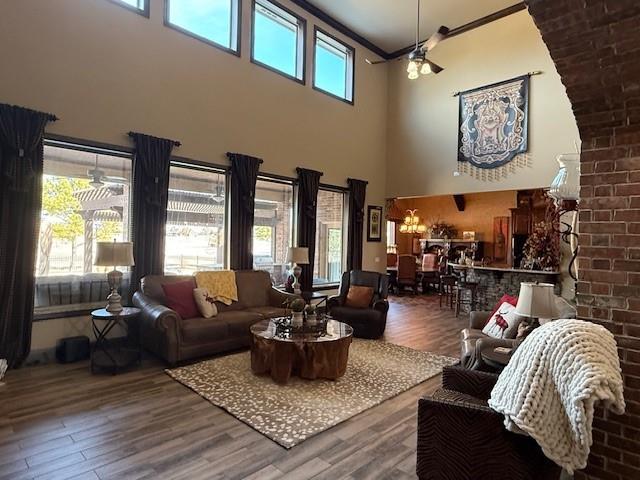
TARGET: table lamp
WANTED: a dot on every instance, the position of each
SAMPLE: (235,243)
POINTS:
(535,301)
(297,256)
(114,254)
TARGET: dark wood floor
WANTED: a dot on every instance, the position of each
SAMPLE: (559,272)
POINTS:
(62,422)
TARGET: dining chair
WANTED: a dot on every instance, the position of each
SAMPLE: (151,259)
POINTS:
(430,272)
(407,273)
(392,260)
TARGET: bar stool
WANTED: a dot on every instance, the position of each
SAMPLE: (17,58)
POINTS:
(461,287)
(447,289)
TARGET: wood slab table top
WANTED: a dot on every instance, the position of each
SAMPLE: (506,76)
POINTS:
(307,355)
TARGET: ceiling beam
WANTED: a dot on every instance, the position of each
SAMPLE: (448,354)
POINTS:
(340,27)
(466,27)
(460,203)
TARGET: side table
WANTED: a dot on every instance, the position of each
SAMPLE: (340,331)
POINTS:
(106,353)
(495,359)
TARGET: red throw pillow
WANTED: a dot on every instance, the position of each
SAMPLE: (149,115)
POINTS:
(179,297)
(505,298)
(359,297)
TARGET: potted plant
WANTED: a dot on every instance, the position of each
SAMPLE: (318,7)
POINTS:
(542,248)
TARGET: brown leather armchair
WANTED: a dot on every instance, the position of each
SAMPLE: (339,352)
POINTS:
(460,437)
(366,322)
(473,342)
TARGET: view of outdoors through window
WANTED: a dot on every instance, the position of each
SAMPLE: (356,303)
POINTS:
(275,39)
(85,199)
(332,66)
(212,20)
(139,4)
(195,235)
(329,256)
(273,228)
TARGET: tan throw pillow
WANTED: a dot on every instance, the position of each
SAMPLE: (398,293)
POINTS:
(205,303)
(359,297)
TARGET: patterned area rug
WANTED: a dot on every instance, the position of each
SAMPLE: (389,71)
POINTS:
(289,414)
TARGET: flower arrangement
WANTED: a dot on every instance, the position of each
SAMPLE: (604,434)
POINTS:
(439,229)
(542,248)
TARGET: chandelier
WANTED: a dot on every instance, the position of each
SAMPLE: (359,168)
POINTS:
(412,223)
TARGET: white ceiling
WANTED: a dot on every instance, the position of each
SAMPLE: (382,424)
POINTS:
(390,24)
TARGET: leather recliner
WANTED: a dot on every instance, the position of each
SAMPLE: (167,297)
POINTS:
(366,322)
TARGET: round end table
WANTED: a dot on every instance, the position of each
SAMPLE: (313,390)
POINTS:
(111,354)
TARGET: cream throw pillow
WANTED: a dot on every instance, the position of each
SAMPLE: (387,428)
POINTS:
(504,323)
(205,303)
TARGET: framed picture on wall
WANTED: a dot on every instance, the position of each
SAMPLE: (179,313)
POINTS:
(374,223)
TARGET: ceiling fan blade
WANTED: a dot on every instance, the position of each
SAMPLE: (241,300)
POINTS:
(374,62)
(435,68)
(435,38)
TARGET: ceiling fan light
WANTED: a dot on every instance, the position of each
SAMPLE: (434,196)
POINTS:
(413,75)
(412,67)
(425,69)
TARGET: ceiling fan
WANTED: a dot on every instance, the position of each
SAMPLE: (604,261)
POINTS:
(418,63)
(98,177)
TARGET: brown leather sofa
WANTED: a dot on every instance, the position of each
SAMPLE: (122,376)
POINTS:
(176,340)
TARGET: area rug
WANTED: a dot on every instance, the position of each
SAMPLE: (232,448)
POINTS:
(289,414)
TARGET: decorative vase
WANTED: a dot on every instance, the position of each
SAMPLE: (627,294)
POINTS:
(297,320)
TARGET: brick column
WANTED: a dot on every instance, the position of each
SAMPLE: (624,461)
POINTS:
(595,45)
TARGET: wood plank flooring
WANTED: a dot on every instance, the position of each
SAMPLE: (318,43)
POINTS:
(61,422)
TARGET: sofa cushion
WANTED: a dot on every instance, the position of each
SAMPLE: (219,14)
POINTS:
(205,303)
(151,285)
(179,298)
(253,287)
(269,312)
(238,322)
(504,322)
(352,315)
(203,330)
(505,298)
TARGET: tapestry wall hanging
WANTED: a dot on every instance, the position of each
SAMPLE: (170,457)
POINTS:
(492,134)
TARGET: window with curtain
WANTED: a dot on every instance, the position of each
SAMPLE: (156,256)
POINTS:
(391,237)
(273,227)
(331,237)
(140,6)
(216,22)
(195,230)
(333,66)
(278,39)
(85,199)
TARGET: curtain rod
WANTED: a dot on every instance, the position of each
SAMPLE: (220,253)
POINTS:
(175,142)
(530,74)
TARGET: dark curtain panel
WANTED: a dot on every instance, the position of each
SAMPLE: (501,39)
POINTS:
(244,174)
(357,196)
(151,160)
(21,152)
(308,185)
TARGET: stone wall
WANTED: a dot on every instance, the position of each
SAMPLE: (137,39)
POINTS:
(595,45)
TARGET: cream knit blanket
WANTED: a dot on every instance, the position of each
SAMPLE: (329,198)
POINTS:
(551,383)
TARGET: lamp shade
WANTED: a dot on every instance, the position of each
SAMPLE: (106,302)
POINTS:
(536,300)
(114,254)
(299,255)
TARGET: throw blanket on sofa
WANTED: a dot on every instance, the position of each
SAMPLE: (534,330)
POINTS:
(220,284)
(551,383)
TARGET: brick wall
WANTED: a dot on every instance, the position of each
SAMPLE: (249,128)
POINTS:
(595,45)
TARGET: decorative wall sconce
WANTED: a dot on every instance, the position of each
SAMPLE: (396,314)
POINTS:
(565,192)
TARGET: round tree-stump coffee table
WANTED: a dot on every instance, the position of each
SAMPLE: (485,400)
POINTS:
(310,355)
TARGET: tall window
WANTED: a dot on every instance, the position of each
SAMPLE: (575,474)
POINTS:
(272,227)
(85,199)
(195,231)
(392,247)
(330,237)
(213,21)
(140,6)
(333,66)
(278,39)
